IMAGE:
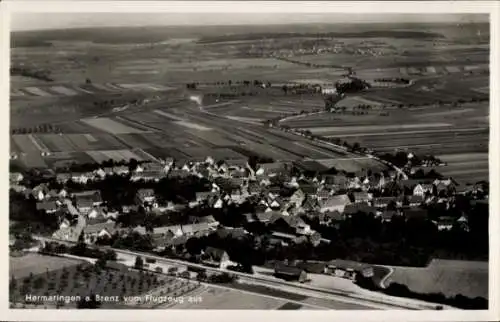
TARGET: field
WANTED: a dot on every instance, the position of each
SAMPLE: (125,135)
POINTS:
(22,266)
(451,132)
(227,299)
(90,66)
(446,276)
(42,275)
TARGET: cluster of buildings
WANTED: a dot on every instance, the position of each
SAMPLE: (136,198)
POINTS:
(282,198)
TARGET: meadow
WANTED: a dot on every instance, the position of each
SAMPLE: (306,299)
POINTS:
(450,277)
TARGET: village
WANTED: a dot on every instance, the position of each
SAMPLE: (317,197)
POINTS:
(274,195)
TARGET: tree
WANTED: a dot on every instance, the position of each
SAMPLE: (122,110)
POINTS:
(100,263)
(139,263)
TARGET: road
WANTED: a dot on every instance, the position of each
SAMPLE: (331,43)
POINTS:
(363,300)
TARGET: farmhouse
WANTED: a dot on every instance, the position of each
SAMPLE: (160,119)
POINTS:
(290,273)
(215,257)
(348,269)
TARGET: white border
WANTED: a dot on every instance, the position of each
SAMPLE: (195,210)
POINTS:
(428,7)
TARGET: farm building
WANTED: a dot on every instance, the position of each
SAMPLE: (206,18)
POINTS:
(348,269)
(215,257)
(290,273)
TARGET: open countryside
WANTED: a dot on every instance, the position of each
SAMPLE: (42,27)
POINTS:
(305,166)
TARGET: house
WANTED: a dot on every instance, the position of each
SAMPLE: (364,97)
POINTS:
(15,177)
(215,257)
(39,191)
(94,196)
(422,188)
(218,204)
(264,217)
(93,232)
(82,177)
(209,220)
(337,202)
(324,193)
(362,196)
(178,173)
(63,178)
(18,188)
(415,200)
(146,196)
(287,239)
(290,224)
(445,223)
(272,169)
(49,207)
(308,189)
(463,222)
(198,229)
(383,202)
(203,196)
(121,170)
(152,166)
(52,194)
(100,173)
(334,181)
(86,200)
(348,269)
(290,273)
(150,175)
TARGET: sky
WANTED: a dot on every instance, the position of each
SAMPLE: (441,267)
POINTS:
(38,21)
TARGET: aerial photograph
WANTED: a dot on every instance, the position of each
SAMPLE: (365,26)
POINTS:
(249,161)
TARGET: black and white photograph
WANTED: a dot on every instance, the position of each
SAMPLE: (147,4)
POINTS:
(249,161)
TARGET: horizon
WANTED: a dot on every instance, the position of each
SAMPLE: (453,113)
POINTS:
(26,22)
